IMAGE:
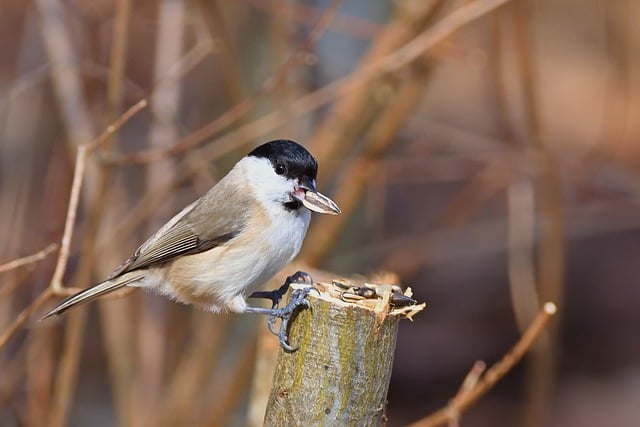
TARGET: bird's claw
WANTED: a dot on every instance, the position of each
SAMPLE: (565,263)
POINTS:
(298,299)
(300,277)
(276,295)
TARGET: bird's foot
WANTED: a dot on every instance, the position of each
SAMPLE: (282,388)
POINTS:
(276,295)
(298,300)
(285,314)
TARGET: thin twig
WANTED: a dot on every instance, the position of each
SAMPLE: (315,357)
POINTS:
(469,383)
(63,254)
(78,175)
(117,124)
(495,373)
(471,380)
(30,259)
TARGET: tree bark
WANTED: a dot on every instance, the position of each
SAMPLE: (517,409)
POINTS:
(340,373)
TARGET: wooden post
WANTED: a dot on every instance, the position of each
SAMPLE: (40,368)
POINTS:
(340,373)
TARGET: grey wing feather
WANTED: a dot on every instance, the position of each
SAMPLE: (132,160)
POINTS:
(166,247)
(198,227)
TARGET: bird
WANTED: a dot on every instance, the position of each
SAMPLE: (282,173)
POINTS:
(216,252)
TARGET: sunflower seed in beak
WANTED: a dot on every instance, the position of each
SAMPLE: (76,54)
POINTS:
(320,203)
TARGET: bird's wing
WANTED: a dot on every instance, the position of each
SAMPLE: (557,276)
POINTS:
(197,228)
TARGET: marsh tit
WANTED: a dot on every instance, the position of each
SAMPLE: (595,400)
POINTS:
(230,241)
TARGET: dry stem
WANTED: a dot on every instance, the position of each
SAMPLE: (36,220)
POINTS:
(30,259)
(462,402)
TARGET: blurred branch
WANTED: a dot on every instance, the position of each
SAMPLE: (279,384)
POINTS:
(38,375)
(394,61)
(619,99)
(23,317)
(446,245)
(150,353)
(357,174)
(362,76)
(263,370)
(68,366)
(81,157)
(360,104)
(55,287)
(28,260)
(469,383)
(228,65)
(63,256)
(233,387)
(468,396)
(181,66)
(99,207)
(238,111)
(117,60)
(498,80)
(193,370)
(298,57)
(67,370)
(282,33)
(521,224)
(475,193)
(26,81)
(542,369)
(307,14)
(66,79)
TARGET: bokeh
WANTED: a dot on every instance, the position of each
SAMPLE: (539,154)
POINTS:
(484,151)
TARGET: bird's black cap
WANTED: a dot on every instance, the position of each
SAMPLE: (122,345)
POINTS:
(288,158)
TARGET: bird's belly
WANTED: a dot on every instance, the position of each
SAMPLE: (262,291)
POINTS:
(213,278)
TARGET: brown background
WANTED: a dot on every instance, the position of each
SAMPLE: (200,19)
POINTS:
(496,170)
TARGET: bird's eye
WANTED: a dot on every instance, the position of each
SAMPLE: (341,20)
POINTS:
(281,169)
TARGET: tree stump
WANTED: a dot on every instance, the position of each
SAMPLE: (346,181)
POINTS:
(340,373)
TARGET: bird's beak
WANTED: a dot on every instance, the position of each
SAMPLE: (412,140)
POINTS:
(314,201)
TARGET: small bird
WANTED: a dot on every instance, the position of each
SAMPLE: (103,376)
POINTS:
(230,241)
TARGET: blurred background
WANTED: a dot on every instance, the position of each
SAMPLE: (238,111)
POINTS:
(489,160)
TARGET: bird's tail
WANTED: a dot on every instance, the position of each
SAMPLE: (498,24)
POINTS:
(92,293)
